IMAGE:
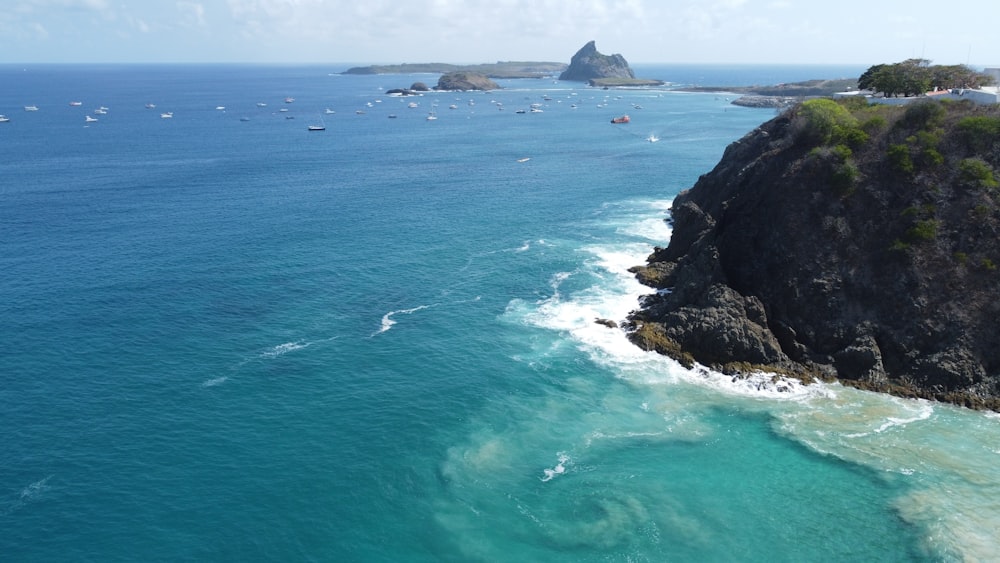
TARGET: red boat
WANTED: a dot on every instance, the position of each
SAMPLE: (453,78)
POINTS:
(622,119)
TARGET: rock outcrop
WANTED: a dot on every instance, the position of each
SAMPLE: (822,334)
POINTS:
(842,242)
(588,64)
(463,81)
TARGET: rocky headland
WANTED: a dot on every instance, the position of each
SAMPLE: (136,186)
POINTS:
(841,241)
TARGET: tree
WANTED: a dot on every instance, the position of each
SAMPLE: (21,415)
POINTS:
(914,77)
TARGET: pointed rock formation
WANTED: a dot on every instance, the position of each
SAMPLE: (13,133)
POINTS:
(588,64)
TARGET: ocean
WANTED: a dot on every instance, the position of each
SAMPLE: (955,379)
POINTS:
(225,337)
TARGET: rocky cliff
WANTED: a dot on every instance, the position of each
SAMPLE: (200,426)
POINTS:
(841,241)
(588,64)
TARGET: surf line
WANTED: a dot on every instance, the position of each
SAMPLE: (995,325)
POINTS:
(388,322)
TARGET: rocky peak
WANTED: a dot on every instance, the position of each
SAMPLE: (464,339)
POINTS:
(588,64)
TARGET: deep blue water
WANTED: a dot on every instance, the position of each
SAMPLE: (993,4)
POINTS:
(235,339)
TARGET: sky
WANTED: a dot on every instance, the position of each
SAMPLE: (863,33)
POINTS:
(861,32)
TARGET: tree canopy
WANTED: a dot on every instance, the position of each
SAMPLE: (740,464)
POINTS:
(913,77)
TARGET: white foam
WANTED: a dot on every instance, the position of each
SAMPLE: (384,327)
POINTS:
(27,495)
(388,322)
(215,381)
(282,349)
(558,469)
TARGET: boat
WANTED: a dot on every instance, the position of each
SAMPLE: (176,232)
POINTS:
(4,119)
(289,100)
(101,111)
(150,106)
(520,111)
(89,119)
(620,119)
(74,104)
(329,111)
(525,159)
(220,108)
(652,138)
(392,116)
(30,108)
(411,105)
(261,104)
(316,128)
(166,115)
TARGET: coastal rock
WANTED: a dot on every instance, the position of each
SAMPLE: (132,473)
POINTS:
(606,322)
(464,81)
(588,64)
(886,280)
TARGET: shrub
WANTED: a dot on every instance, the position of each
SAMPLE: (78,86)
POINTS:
(899,158)
(977,172)
(822,117)
(979,132)
(923,115)
(923,231)
(961,257)
(844,178)
(873,125)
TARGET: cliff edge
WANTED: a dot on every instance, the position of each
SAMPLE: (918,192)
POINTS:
(841,241)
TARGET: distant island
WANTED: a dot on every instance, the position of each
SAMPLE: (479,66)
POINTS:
(501,69)
(591,66)
(587,65)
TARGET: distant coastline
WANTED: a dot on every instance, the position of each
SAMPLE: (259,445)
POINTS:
(502,69)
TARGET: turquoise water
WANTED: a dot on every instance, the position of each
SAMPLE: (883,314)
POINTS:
(227,339)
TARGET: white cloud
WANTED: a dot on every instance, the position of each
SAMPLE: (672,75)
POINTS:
(192,13)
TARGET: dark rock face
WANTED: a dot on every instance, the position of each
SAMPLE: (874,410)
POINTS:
(773,265)
(588,64)
(463,81)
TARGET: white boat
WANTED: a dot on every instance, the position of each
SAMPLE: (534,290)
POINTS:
(220,108)
(30,108)
(4,119)
(89,119)
(166,115)
(411,105)
(652,138)
(431,116)
(289,100)
(150,106)
(101,111)
(329,111)
(261,104)
(74,104)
